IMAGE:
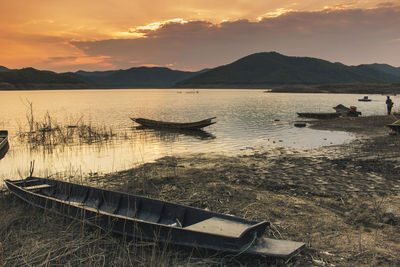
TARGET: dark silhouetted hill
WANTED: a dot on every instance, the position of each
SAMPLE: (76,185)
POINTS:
(386,68)
(30,78)
(2,68)
(260,70)
(141,77)
(263,70)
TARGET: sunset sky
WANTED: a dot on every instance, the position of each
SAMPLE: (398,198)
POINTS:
(69,35)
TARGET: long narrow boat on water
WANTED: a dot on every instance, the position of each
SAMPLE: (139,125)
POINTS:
(174,125)
(151,219)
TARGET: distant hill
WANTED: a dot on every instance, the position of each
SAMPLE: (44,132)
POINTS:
(260,70)
(386,68)
(263,70)
(30,78)
(140,77)
(2,68)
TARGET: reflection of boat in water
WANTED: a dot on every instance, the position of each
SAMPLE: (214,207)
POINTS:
(151,219)
(169,132)
(4,146)
(315,115)
(174,125)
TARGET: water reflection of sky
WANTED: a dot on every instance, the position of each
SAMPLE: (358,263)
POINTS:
(245,118)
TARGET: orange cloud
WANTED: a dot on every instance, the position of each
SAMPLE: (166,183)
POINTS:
(352,36)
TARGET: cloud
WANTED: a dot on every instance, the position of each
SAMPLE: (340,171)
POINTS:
(352,36)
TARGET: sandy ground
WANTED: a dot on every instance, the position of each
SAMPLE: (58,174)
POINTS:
(342,201)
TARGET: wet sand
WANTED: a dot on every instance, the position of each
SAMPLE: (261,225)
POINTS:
(342,201)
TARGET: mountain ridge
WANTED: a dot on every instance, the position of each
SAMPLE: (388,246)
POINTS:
(265,69)
(259,70)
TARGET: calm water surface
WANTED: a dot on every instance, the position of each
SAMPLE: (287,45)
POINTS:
(245,119)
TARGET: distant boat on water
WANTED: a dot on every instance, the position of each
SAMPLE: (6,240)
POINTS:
(365,99)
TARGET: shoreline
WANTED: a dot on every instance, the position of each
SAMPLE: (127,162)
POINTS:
(343,201)
(375,89)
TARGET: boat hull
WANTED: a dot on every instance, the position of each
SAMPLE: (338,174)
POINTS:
(3,143)
(394,127)
(150,219)
(3,139)
(330,115)
(174,125)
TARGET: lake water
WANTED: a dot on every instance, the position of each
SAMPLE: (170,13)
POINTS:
(245,119)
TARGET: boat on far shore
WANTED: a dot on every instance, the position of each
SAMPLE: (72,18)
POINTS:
(174,125)
(316,115)
(345,111)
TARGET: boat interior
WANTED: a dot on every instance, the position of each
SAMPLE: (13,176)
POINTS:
(137,207)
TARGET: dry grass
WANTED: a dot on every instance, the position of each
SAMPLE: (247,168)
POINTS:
(48,133)
(31,237)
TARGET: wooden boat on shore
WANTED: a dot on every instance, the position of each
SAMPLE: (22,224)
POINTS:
(345,111)
(3,143)
(3,139)
(150,219)
(329,115)
(394,127)
(174,125)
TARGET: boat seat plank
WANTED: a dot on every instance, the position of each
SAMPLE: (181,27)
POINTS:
(215,225)
(37,187)
(25,181)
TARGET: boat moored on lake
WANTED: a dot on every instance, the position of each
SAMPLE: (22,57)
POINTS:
(174,125)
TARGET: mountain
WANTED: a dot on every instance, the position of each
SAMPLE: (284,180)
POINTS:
(30,78)
(268,69)
(2,68)
(140,77)
(260,70)
(386,68)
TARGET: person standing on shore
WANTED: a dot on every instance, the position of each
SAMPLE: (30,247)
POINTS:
(389,104)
